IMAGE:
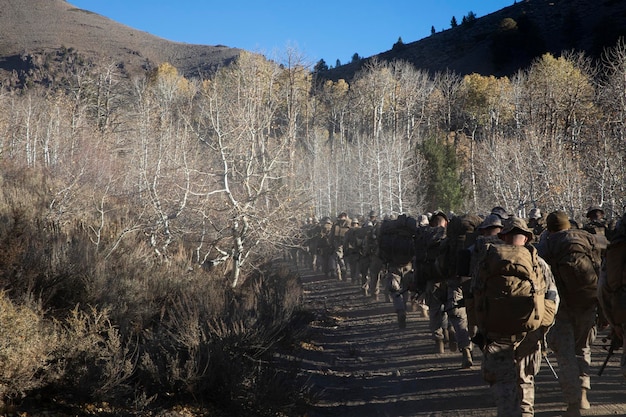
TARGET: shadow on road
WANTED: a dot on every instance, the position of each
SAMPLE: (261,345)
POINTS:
(359,363)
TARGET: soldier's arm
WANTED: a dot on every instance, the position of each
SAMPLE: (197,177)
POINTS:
(552,298)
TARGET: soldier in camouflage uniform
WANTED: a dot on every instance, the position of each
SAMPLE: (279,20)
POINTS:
(429,277)
(364,257)
(339,229)
(597,225)
(375,263)
(536,222)
(612,289)
(324,247)
(351,251)
(574,332)
(510,363)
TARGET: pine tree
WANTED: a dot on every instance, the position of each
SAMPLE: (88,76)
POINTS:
(444,187)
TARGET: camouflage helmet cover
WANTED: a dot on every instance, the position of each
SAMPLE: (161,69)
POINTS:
(515,224)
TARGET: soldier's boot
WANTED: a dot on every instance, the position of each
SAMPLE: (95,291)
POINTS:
(467,359)
(584,402)
(401,318)
(572,410)
(440,346)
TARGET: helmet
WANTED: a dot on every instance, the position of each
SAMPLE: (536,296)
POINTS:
(500,211)
(557,221)
(534,214)
(493,220)
(516,224)
(592,210)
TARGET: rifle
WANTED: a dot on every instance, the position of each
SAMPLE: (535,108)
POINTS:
(545,356)
(544,353)
(616,343)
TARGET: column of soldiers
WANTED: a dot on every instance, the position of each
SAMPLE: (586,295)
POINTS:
(447,276)
(346,249)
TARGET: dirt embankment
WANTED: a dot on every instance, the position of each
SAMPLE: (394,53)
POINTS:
(361,364)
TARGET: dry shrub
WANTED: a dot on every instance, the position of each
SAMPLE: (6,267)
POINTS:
(157,330)
(227,358)
(97,364)
(27,346)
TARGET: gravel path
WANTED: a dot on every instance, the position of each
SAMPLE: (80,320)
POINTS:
(361,364)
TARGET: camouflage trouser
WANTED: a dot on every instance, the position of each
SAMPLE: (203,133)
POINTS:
(337,264)
(571,338)
(352,261)
(511,378)
(323,260)
(364,264)
(457,315)
(395,278)
(435,297)
(375,268)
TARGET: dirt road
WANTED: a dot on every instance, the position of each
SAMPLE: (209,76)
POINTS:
(361,364)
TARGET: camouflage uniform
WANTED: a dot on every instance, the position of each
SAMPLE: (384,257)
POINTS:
(364,257)
(510,363)
(571,339)
(312,232)
(337,264)
(573,333)
(430,280)
(351,251)
(536,222)
(324,247)
(611,298)
(396,279)
(375,263)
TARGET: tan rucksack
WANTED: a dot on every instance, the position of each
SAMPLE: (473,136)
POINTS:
(575,262)
(510,291)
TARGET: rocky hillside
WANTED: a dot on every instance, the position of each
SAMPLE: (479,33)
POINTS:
(500,43)
(36,27)
(505,41)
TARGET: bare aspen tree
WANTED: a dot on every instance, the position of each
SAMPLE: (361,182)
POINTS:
(239,108)
(612,141)
(294,86)
(165,155)
(448,85)
(372,89)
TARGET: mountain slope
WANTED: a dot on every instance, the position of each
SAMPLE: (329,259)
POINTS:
(28,26)
(506,41)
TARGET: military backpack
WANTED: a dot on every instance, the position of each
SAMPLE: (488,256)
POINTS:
(510,291)
(396,240)
(575,263)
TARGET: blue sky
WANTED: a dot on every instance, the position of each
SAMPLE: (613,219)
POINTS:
(324,29)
